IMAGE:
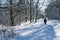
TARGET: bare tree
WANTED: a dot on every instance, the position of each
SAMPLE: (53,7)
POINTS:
(11,14)
(36,10)
(31,11)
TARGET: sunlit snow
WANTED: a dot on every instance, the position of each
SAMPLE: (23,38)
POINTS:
(36,31)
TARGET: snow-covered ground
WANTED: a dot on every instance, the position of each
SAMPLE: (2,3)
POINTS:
(37,31)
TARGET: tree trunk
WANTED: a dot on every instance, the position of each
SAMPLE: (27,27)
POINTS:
(11,18)
(36,16)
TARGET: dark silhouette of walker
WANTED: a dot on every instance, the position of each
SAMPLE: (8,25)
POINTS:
(45,21)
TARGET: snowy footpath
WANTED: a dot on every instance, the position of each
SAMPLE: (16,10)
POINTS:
(37,31)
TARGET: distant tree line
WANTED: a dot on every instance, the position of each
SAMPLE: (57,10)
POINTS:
(53,10)
(21,10)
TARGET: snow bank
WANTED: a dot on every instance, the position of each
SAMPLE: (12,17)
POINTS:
(57,30)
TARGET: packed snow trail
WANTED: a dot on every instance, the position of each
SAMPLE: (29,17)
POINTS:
(38,31)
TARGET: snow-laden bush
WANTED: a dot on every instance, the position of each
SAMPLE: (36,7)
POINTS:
(6,32)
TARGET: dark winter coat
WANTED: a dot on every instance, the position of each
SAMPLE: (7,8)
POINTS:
(45,21)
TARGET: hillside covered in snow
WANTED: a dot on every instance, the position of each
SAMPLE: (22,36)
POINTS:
(34,31)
